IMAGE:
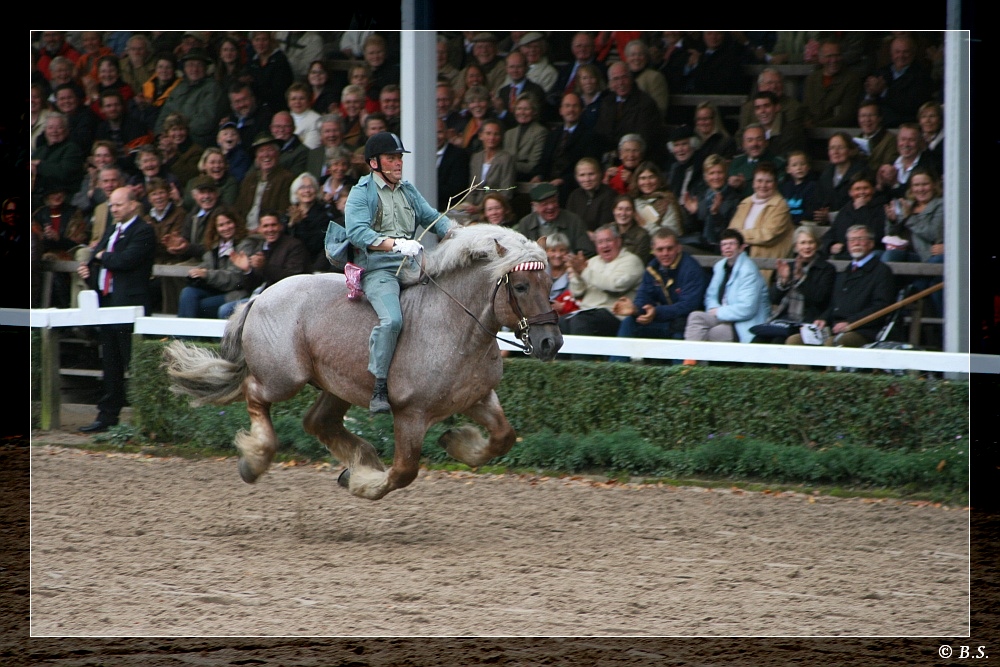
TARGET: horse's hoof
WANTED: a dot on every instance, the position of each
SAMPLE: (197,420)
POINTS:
(345,478)
(246,473)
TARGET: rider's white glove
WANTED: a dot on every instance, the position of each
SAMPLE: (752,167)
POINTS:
(407,247)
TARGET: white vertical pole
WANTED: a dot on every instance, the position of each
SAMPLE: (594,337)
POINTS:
(418,74)
(956,191)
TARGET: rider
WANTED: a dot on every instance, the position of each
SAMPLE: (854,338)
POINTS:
(382,214)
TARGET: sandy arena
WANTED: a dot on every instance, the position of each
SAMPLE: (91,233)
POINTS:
(134,545)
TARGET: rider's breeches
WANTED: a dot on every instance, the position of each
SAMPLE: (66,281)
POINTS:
(382,290)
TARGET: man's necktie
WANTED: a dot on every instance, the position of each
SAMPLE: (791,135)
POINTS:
(106,286)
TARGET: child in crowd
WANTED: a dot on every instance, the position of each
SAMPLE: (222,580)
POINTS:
(228,139)
(799,189)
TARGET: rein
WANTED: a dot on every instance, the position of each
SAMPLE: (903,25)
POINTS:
(523,323)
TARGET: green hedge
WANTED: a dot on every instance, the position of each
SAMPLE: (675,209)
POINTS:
(733,422)
(679,406)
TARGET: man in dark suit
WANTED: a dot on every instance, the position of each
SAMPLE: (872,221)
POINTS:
(250,118)
(625,110)
(120,271)
(717,69)
(293,155)
(584,53)
(517,84)
(864,287)
(564,147)
(901,87)
(452,168)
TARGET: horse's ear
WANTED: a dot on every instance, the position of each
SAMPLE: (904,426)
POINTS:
(501,251)
(541,241)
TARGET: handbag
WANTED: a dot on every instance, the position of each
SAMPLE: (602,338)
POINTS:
(339,251)
(776,328)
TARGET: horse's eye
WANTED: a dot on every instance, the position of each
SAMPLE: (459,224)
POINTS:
(521,288)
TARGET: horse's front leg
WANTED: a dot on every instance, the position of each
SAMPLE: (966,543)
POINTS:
(468,445)
(409,431)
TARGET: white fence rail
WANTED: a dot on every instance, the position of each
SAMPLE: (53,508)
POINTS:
(945,362)
(89,314)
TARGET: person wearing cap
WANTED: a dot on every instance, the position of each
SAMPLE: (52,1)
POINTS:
(382,215)
(187,244)
(540,71)
(684,177)
(484,54)
(198,97)
(547,217)
(228,139)
(266,186)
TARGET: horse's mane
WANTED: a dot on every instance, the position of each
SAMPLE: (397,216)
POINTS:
(501,248)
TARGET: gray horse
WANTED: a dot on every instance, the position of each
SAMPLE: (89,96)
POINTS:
(304,330)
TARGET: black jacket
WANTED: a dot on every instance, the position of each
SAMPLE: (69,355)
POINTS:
(131,264)
(857,294)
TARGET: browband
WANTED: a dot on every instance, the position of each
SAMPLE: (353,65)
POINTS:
(529,266)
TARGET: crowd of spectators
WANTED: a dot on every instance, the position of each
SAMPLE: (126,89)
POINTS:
(263,125)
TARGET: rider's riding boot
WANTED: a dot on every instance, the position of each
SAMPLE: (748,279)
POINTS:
(380,398)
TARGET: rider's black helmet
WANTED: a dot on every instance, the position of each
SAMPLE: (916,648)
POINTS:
(382,143)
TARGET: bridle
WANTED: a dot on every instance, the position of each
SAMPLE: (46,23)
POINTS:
(523,326)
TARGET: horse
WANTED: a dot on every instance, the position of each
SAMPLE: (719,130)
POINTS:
(304,330)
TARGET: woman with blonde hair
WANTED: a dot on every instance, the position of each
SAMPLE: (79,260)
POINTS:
(213,163)
(715,138)
(801,289)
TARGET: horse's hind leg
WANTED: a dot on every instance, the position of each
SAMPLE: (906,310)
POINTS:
(468,445)
(258,445)
(325,420)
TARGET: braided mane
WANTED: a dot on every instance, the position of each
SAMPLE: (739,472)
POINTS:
(483,242)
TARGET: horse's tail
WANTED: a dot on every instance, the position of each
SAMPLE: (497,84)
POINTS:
(207,377)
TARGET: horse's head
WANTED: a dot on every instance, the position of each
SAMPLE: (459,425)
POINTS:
(521,302)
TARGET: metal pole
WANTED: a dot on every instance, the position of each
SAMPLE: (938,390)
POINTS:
(956,192)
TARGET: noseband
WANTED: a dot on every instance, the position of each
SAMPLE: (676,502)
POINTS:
(523,323)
